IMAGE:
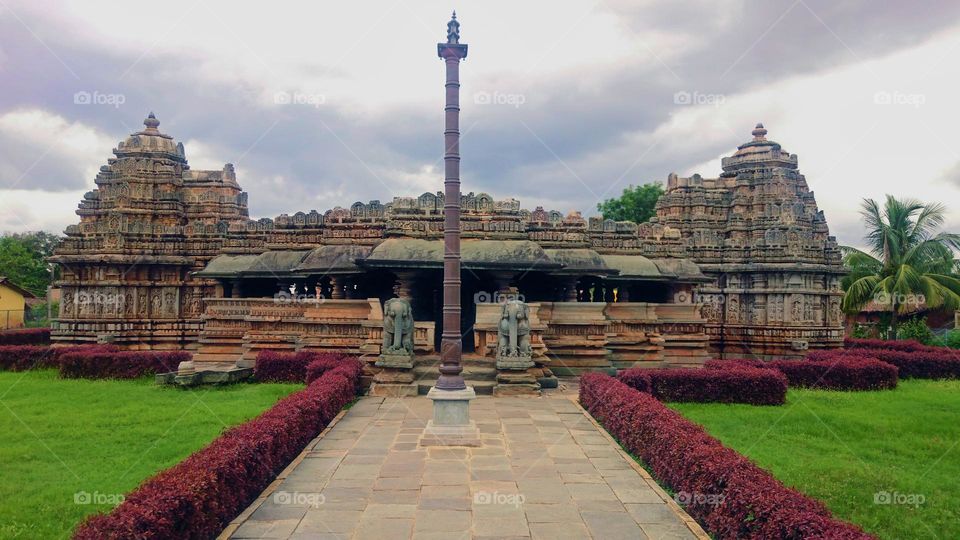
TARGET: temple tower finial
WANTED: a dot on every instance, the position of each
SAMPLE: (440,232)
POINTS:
(759,133)
(151,122)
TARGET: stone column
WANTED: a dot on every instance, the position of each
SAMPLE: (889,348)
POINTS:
(607,291)
(570,290)
(623,293)
(451,424)
(506,289)
(236,289)
(336,288)
(403,286)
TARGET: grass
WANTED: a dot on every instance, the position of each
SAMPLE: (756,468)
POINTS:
(845,448)
(65,442)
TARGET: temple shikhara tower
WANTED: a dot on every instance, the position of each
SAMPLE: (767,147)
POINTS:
(150,224)
(757,231)
(166,257)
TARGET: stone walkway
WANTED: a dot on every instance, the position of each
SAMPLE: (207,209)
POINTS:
(544,471)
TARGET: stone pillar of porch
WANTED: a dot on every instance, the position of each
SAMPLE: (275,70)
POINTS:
(236,289)
(403,286)
(506,288)
(336,287)
(570,293)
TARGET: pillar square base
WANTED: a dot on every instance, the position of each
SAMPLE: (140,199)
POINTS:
(451,424)
(463,435)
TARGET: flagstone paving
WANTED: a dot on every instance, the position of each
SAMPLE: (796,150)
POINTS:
(545,470)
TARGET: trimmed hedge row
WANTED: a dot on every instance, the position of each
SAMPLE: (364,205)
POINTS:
(100,364)
(324,362)
(844,372)
(275,366)
(25,336)
(199,496)
(740,500)
(24,357)
(740,385)
(934,363)
(906,345)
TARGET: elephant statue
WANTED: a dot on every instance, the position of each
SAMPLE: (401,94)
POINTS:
(397,327)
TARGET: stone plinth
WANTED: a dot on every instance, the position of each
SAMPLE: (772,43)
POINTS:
(395,378)
(451,424)
(395,361)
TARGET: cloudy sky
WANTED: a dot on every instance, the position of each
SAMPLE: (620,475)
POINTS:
(564,104)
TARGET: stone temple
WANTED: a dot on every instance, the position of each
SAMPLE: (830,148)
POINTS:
(166,257)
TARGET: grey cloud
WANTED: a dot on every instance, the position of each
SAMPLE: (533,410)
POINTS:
(508,151)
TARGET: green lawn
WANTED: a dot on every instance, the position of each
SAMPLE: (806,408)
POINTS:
(65,442)
(844,448)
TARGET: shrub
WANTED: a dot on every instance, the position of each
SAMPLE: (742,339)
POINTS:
(895,345)
(915,329)
(637,378)
(844,371)
(100,364)
(25,336)
(200,495)
(275,366)
(739,385)
(952,338)
(324,362)
(930,363)
(731,363)
(746,502)
(24,357)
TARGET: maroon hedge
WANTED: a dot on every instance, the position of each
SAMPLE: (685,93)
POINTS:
(843,372)
(324,362)
(200,495)
(274,366)
(24,357)
(735,498)
(906,345)
(741,385)
(119,364)
(25,336)
(931,363)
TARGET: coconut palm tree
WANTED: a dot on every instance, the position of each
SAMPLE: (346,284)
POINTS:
(908,263)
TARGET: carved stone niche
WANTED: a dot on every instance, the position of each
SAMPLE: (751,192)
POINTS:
(397,349)
(513,337)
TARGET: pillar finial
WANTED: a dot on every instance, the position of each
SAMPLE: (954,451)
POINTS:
(453,29)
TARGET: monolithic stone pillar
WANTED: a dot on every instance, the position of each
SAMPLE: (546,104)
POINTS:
(451,424)
(236,289)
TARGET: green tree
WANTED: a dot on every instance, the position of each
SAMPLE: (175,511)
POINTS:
(908,263)
(635,204)
(23,259)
